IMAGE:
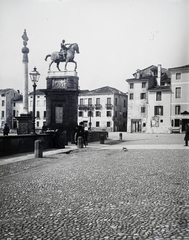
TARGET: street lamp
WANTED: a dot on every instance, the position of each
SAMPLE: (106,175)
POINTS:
(34,75)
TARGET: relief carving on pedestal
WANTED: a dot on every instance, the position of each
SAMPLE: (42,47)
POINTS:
(59,84)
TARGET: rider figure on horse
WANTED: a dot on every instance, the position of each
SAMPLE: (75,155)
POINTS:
(63,50)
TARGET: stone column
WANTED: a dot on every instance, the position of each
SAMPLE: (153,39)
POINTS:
(24,121)
(25,52)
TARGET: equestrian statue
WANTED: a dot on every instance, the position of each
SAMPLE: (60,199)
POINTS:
(66,54)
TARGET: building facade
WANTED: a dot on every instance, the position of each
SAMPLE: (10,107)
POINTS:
(103,109)
(149,99)
(6,111)
(40,108)
(180,97)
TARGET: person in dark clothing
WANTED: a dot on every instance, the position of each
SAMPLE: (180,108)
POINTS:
(186,138)
(80,132)
(6,130)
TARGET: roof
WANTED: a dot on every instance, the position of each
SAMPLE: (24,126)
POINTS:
(5,90)
(18,98)
(38,92)
(160,88)
(102,90)
(181,67)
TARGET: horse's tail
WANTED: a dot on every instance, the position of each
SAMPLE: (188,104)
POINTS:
(47,57)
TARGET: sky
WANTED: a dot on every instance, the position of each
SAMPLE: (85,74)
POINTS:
(115,38)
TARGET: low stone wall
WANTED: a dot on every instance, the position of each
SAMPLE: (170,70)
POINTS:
(95,136)
(14,144)
(23,143)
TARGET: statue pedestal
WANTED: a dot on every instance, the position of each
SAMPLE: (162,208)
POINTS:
(24,124)
(62,101)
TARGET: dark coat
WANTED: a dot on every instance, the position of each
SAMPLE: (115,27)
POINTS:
(6,130)
(187,132)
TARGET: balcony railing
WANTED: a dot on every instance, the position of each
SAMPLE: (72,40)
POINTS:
(109,106)
(98,106)
(86,107)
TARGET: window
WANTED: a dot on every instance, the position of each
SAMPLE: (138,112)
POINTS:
(142,109)
(124,103)
(178,76)
(14,113)
(80,114)
(90,113)
(108,113)
(108,124)
(177,123)
(109,105)
(124,114)
(97,124)
(37,124)
(108,100)
(2,114)
(97,101)
(44,114)
(143,84)
(178,92)
(81,101)
(115,101)
(3,102)
(89,101)
(158,110)
(143,96)
(158,96)
(131,96)
(38,114)
(115,113)
(14,104)
(131,85)
(177,109)
(98,114)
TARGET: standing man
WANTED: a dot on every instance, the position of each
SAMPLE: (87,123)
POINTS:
(6,130)
(186,138)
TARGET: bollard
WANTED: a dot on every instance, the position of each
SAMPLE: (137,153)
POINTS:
(120,136)
(101,139)
(38,150)
(80,142)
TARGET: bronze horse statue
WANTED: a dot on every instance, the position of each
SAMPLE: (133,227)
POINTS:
(70,54)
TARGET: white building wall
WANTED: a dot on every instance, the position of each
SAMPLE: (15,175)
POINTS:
(103,119)
(40,109)
(135,104)
(159,123)
(182,101)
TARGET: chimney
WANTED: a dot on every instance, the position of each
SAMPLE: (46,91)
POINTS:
(159,75)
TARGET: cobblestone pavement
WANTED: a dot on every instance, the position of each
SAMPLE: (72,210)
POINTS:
(97,194)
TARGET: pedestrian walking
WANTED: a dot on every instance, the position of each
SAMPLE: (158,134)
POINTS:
(186,138)
(6,130)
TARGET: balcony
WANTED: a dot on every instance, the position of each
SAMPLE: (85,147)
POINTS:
(98,106)
(86,107)
(109,106)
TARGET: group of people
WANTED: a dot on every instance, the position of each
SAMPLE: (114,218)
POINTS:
(81,132)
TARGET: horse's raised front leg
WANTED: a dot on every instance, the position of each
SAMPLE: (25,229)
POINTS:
(75,65)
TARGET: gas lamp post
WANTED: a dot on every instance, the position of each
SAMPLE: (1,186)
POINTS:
(34,75)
